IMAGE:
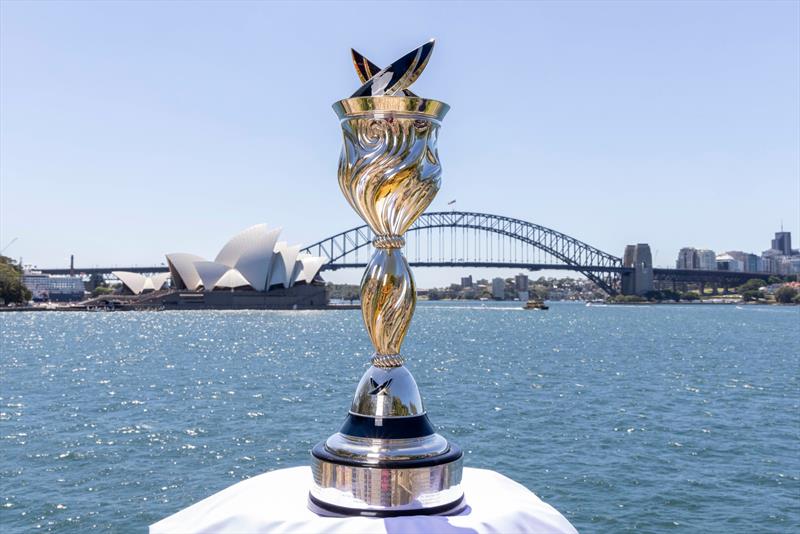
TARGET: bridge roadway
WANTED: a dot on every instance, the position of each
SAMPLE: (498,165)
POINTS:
(731,278)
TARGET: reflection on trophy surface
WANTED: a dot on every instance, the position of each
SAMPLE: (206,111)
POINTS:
(387,459)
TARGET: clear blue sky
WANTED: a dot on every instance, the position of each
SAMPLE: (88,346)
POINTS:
(132,129)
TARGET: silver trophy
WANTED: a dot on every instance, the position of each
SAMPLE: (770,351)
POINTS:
(387,460)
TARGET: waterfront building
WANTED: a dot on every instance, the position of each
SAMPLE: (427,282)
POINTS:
(521,287)
(521,282)
(251,260)
(750,262)
(46,287)
(498,288)
(136,284)
(768,262)
(466,281)
(785,264)
(725,262)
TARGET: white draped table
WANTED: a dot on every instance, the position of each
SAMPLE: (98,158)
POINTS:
(277,502)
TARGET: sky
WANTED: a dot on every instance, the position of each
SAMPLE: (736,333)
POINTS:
(133,129)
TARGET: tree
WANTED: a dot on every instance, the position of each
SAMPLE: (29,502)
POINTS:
(690,296)
(775,280)
(751,295)
(11,287)
(754,284)
(628,298)
(668,294)
(100,290)
(785,294)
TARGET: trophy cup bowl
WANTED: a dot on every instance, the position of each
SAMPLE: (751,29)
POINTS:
(387,459)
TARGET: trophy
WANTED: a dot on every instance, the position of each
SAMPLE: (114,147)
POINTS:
(387,459)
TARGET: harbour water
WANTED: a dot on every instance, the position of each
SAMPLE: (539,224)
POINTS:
(657,418)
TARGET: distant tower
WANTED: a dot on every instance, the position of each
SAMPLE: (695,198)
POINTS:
(783,242)
(72,264)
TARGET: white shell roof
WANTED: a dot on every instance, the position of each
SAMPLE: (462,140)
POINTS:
(210,272)
(252,258)
(137,283)
(311,266)
(283,264)
(231,279)
(183,265)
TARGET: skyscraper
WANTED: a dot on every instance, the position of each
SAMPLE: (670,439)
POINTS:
(687,258)
(706,260)
(783,242)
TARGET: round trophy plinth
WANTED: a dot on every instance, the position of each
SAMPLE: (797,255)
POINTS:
(385,465)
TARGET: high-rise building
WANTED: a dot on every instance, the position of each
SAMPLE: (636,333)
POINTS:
(793,264)
(706,259)
(521,282)
(687,258)
(498,288)
(783,242)
(466,281)
(693,258)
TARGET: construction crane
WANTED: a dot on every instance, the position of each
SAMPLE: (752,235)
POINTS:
(8,245)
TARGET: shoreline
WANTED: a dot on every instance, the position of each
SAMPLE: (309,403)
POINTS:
(133,309)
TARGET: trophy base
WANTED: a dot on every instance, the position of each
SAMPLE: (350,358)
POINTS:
(429,485)
(329,510)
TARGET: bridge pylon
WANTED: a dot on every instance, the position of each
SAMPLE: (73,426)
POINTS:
(639,280)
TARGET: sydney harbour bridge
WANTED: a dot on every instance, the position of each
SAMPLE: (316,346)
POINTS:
(470,239)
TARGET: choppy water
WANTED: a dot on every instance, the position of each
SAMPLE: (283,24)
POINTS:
(680,418)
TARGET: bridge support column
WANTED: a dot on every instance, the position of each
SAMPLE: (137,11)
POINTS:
(640,281)
(702,287)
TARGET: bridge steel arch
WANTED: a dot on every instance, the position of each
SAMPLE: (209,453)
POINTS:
(600,267)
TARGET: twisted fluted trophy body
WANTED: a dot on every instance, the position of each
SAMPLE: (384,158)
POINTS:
(389,172)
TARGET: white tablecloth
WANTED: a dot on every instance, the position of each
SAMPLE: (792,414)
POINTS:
(277,502)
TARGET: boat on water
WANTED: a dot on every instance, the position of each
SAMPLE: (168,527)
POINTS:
(536,304)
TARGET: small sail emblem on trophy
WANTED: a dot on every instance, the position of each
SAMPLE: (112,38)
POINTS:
(387,459)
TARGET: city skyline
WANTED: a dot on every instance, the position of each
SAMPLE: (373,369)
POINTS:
(639,124)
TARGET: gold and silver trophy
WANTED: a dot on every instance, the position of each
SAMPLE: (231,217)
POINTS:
(387,459)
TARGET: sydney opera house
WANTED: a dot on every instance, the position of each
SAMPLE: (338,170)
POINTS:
(253,270)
